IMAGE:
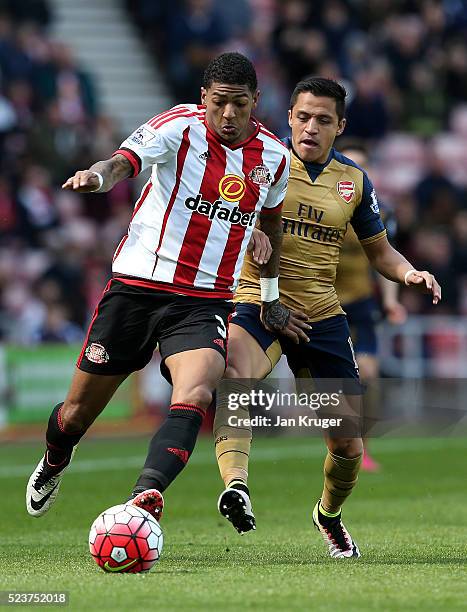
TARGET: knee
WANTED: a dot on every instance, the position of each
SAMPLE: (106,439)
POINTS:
(368,367)
(349,448)
(243,368)
(200,395)
(232,371)
(73,417)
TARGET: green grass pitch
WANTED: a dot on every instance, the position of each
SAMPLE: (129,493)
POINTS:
(409,521)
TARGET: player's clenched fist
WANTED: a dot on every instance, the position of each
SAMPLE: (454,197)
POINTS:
(84,181)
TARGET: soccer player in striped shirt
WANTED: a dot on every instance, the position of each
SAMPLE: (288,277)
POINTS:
(215,170)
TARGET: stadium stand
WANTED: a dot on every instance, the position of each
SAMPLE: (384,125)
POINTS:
(404,64)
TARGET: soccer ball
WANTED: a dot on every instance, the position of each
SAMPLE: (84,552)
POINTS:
(125,538)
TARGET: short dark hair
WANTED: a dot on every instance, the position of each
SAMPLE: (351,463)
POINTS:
(320,86)
(233,69)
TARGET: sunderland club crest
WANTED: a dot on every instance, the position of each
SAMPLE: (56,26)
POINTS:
(96,353)
(346,190)
(261,175)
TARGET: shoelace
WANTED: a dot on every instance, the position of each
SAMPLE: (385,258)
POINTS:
(336,534)
(43,477)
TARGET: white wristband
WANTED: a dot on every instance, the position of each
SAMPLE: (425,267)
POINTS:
(269,289)
(100,179)
(407,274)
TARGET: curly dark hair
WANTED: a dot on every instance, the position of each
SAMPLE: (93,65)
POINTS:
(233,69)
(320,86)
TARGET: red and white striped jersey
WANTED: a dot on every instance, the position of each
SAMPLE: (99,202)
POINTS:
(195,215)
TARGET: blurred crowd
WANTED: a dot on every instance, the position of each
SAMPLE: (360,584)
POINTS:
(55,246)
(403,63)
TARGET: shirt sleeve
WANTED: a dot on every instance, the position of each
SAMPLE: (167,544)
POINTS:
(144,147)
(366,219)
(276,193)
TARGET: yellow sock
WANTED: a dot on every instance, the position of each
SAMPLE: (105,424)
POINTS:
(340,477)
(232,457)
(232,443)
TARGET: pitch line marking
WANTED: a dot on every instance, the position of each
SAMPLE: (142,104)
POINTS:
(303,451)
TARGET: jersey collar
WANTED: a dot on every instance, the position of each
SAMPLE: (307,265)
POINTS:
(313,169)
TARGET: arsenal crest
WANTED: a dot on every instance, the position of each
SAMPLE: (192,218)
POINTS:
(260,175)
(346,190)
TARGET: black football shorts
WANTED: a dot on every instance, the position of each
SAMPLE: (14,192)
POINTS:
(130,321)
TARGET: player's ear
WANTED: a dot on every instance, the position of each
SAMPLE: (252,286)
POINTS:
(204,94)
(256,97)
(290,117)
(341,126)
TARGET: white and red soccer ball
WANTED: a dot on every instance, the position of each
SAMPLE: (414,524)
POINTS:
(125,538)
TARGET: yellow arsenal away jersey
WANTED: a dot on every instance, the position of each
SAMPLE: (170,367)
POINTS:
(321,201)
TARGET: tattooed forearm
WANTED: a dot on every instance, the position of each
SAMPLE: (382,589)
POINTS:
(113,170)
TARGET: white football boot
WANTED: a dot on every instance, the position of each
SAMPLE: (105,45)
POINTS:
(336,536)
(43,485)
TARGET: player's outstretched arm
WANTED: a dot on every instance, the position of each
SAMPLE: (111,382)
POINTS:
(101,176)
(394,266)
(274,315)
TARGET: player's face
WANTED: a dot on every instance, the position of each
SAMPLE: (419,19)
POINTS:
(315,125)
(228,110)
